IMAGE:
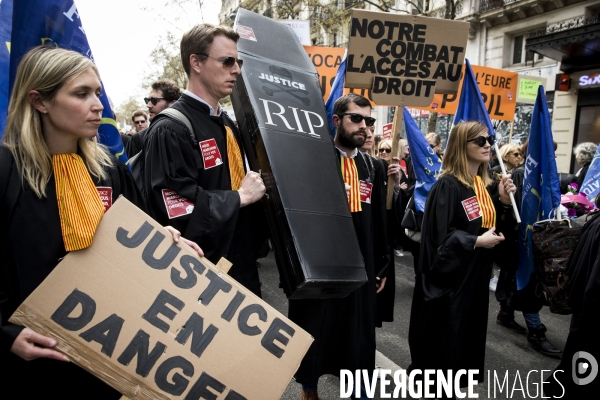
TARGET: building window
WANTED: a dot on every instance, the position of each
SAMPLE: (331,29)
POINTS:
(520,55)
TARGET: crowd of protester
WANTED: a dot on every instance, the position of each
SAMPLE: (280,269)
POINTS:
(52,163)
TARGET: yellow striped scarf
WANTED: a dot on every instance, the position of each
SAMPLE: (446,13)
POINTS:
(486,207)
(79,204)
(236,164)
(350,175)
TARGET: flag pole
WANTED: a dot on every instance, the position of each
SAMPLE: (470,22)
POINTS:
(396,127)
(512,196)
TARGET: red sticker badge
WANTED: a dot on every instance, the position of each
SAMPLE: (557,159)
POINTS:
(106,196)
(365,192)
(246,32)
(175,204)
(471,207)
(210,153)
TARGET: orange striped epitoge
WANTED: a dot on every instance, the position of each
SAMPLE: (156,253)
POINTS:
(236,165)
(350,175)
(486,207)
(79,204)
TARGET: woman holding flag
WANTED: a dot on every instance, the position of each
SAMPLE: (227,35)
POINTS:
(450,303)
(52,171)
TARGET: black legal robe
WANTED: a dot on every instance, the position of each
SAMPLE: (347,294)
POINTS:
(30,247)
(344,328)
(174,161)
(449,313)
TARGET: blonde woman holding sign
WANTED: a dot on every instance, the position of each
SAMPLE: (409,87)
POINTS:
(56,182)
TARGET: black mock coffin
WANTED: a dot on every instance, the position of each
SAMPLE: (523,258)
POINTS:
(279,107)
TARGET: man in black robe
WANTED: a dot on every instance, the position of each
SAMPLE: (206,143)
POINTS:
(344,329)
(188,175)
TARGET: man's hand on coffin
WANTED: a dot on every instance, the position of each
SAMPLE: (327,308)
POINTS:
(252,189)
(379,283)
(177,236)
(30,345)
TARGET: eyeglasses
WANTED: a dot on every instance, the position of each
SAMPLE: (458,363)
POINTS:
(480,140)
(357,118)
(152,100)
(385,150)
(227,61)
(139,122)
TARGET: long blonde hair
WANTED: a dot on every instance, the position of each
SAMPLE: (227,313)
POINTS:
(45,69)
(455,158)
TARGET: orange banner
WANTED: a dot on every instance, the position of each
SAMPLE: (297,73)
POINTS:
(498,88)
(326,61)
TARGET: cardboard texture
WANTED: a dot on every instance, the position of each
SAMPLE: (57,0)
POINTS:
(499,89)
(405,59)
(279,108)
(155,321)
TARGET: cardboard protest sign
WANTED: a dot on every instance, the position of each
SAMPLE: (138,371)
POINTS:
(155,321)
(405,59)
(326,61)
(528,88)
(498,88)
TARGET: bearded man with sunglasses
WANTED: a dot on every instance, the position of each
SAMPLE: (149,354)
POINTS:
(344,329)
(198,182)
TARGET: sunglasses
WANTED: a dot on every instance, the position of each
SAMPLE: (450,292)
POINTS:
(385,150)
(227,61)
(152,100)
(517,154)
(139,122)
(480,140)
(357,118)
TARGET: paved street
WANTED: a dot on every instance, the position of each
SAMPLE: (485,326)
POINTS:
(506,350)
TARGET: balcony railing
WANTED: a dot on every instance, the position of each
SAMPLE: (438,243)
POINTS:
(346,4)
(572,23)
(488,5)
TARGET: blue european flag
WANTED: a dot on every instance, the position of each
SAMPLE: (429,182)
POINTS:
(337,90)
(541,186)
(52,23)
(591,183)
(426,163)
(470,105)
(6,11)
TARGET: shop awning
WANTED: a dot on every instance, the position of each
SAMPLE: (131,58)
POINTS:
(576,48)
